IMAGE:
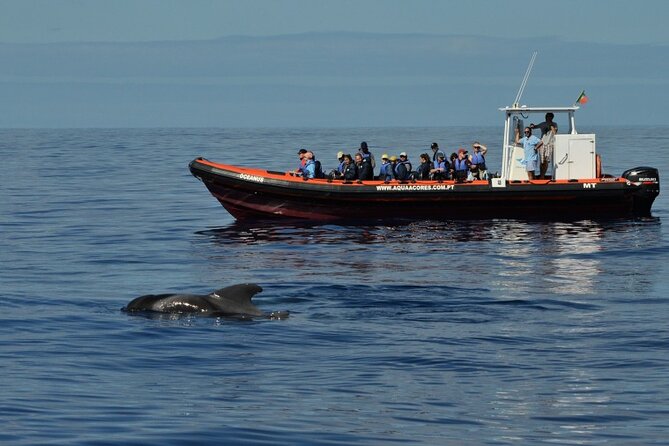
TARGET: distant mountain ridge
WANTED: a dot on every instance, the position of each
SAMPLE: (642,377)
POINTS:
(313,78)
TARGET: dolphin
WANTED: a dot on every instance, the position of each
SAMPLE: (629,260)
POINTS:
(228,301)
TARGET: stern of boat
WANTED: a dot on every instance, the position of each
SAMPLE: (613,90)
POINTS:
(647,179)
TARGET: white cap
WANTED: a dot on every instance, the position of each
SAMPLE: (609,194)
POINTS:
(403,154)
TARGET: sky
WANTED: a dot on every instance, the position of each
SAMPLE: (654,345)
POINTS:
(607,21)
(139,63)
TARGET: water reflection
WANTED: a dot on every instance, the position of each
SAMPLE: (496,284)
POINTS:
(454,230)
(423,231)
(511,256)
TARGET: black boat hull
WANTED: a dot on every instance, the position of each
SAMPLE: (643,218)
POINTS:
(258,194)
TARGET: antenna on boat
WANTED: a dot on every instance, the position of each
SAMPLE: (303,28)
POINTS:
(516,102)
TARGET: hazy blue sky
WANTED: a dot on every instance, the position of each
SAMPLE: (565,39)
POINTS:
(137,63)
(609,21)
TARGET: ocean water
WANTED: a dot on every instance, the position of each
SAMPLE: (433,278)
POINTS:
(433,333)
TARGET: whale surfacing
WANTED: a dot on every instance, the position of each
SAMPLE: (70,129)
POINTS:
(234,300)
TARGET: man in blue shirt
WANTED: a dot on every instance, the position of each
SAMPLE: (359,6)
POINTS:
(530,145)
(548,131)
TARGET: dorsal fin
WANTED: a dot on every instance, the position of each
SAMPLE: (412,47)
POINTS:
(237,298)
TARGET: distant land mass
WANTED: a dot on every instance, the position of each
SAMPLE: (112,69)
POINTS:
(325,80)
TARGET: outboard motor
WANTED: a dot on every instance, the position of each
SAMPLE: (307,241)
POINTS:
(649,180)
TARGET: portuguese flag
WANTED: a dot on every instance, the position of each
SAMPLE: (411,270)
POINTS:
(582,98)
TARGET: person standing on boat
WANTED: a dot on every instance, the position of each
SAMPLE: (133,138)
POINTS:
(548,131)
(546,126)
(530,145)
(477,159)
(364,151)
(435,151)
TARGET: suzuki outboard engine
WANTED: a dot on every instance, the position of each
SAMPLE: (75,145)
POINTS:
(648,178)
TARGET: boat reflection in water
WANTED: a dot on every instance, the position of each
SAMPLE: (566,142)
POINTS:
(514,257)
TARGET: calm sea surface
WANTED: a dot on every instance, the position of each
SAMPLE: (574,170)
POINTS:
(484,332)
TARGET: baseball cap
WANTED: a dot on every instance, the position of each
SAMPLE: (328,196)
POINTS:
(340,154)
(403,154)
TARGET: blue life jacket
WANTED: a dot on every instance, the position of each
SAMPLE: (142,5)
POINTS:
(309,169)
(479,160)
(441,165)
(460,164)
(386,173)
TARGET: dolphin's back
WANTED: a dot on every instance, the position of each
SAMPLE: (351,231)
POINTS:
(232,300)
(171,303)
(236,299)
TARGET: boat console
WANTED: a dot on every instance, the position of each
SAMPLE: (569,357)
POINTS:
(574,154)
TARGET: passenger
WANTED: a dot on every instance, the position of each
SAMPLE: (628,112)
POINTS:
(404,159)
(337,173)
(461,166)
(435,149)
(350,173)
(318,166)
(364,151)
(423,171)
(309,169)
(363,167)
(340,158)
(302,161)
(440,170)
(530,145)
(451,166)
(548,131)
(547,126)
(401,173)
(386,173)
(477,159)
